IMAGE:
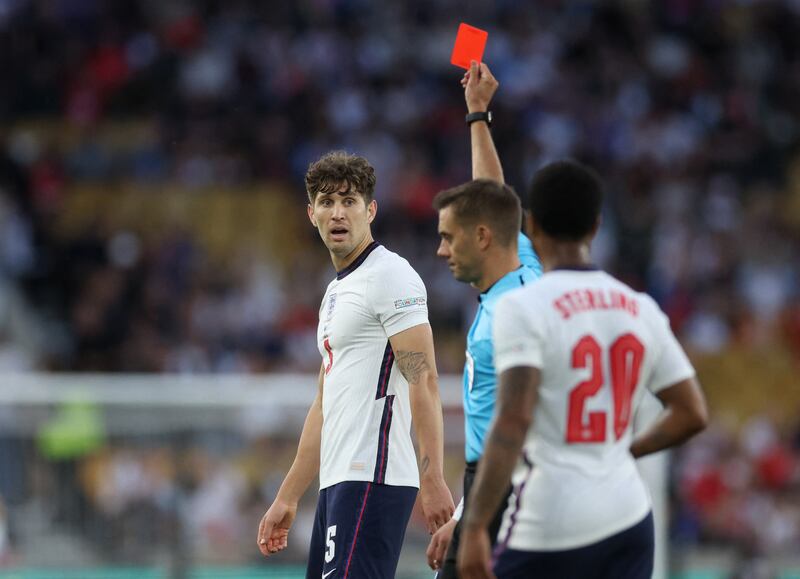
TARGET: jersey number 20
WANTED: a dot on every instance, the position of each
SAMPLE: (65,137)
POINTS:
(625,360)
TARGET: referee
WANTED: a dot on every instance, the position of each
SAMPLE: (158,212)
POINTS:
(479,227)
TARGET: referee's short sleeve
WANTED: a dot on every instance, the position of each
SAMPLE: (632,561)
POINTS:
(518,339)
(399,298)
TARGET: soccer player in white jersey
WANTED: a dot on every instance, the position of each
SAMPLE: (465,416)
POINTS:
(378,372)
(574,352)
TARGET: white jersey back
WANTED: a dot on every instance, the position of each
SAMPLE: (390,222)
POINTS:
(366,430)
(598,345)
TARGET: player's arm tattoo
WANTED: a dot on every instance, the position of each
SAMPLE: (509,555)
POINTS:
(424,464)
(517,395)
(412,365)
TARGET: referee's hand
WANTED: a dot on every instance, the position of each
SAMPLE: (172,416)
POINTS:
(437,549)
(273,531)
(479,87)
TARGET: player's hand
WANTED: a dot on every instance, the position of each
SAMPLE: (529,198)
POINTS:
(437,503)
(439,544)
(273,531)
(474,559)
(479,87)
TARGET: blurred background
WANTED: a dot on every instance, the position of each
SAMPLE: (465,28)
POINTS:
(159,282)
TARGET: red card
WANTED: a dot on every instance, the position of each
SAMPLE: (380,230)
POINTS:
(470,42)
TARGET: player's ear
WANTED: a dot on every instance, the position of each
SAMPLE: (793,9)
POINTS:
(310,210)
(531,226)
(525,226)
(372,211)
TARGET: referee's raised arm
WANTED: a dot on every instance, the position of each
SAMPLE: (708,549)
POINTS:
(479,88)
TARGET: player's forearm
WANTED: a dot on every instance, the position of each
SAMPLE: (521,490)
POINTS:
(416,361)
(670,429)
(426,413)
(485,160)
(306,463)
(500,455)
(517,393)
(685,414)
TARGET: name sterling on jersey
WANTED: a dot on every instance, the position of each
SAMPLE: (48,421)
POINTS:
(586,300)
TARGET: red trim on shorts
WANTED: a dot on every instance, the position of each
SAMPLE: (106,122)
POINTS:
(358,526)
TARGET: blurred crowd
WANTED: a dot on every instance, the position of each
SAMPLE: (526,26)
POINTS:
(740,487)
(197,495)
(687,108)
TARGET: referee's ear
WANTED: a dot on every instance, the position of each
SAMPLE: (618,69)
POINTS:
(484,236)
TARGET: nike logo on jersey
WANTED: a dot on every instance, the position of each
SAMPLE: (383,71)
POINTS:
(324,575)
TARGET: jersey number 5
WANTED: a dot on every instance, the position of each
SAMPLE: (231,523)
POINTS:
(330,544)
(625,361)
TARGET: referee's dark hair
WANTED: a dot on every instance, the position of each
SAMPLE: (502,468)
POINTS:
(487,201)
(565,200)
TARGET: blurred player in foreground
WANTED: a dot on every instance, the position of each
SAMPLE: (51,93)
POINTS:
(378,371)
(574,352)
(479,226)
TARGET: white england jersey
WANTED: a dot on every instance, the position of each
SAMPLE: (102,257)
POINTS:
(598,345)
(366,429)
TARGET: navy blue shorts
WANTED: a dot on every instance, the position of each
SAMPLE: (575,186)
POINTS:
(626,555)
(359,530)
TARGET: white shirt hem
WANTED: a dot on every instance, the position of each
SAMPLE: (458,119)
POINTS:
(576,541)
(395,482)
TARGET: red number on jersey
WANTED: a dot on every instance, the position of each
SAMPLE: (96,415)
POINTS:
(626,361)
(327,345)
(586,351)
(625,358)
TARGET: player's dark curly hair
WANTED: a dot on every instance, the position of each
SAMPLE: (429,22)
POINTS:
(327,175)
(484,201)
(565,200)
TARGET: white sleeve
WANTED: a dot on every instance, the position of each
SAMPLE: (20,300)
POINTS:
(517,336)
(399,299)
(672,365)
(459,510)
